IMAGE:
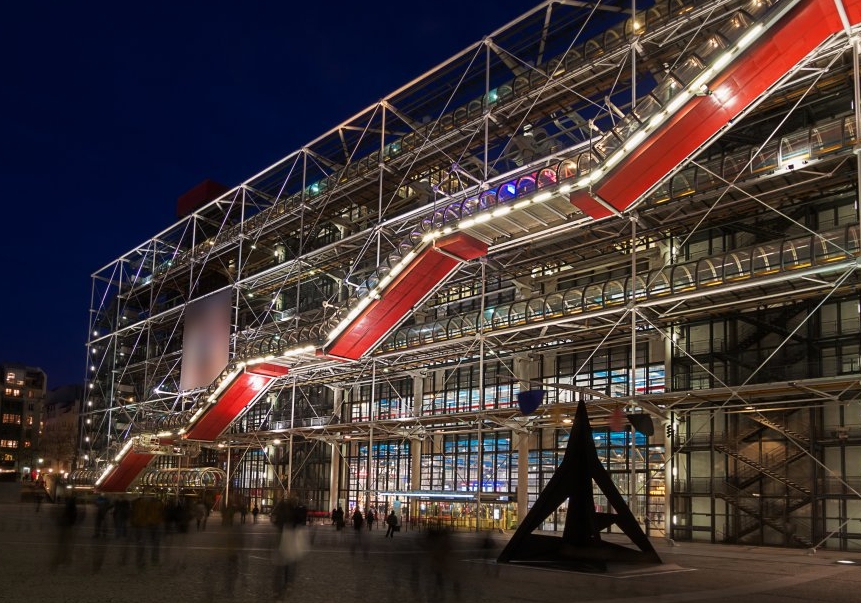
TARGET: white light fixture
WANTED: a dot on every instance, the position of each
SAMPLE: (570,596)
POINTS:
(466,223)
(750,36)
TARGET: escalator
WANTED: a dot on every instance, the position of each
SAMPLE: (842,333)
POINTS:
(236,392)
(704,96)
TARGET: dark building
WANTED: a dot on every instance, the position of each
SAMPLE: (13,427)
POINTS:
(21,401)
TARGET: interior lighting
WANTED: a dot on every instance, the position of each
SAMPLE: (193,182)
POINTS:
(480,218)
(501,211)
(522,204)
(542,197)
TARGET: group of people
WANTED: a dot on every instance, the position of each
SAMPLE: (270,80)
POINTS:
(368,519)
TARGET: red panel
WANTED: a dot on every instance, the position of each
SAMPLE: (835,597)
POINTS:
(419,278)
(233,400)
(122,476)
(582,200)
(781,47)
(463,246)
(267,369)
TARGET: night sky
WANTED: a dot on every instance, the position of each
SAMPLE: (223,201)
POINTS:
(110,111)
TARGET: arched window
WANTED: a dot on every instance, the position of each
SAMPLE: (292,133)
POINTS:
(487,199)
(526,185)
(709,272)
(825,138)
(766,259)
(736,265)
(797,253)
(507,191)
(568,169)
(683,277)
(593,297)
(546,177)
(765,160)
(470,206)
(614,293)
(572,301)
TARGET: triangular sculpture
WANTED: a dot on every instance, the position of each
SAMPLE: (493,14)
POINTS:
(580,547)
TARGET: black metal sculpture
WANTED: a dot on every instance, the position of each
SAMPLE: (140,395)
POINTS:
(580,547)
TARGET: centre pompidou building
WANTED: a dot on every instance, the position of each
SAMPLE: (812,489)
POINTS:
(652,208)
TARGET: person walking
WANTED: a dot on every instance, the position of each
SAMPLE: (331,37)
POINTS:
(357,519)
(255,512)
(392,523)
(338,518)
(370,518)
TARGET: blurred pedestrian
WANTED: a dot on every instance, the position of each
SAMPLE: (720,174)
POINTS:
(255,512)
(122,511)
(200,515)
(392,523)
(288,545)
(66,518)
(103,505)
(370,518)
(358,520)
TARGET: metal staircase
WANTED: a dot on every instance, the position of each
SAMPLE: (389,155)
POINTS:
(769,512)
(762,469)
(791,434)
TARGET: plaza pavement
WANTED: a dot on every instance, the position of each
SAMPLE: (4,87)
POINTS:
(235,564)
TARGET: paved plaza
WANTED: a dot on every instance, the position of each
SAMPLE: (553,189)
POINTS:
(41,563)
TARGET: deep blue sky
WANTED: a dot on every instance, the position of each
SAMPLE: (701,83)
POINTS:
(110,110)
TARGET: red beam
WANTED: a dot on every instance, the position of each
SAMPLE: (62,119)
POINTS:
(245,388)
(780,48)
(128,469)
(430,267)
(267,369)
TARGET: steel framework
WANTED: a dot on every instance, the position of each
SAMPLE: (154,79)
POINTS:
(721,299)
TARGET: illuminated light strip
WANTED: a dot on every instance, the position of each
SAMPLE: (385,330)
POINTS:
(105,473)
(749,37)
(722,61)
(301,350)
(466,223)
(125,449)
(213,397)
(694,89)
(259,359)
